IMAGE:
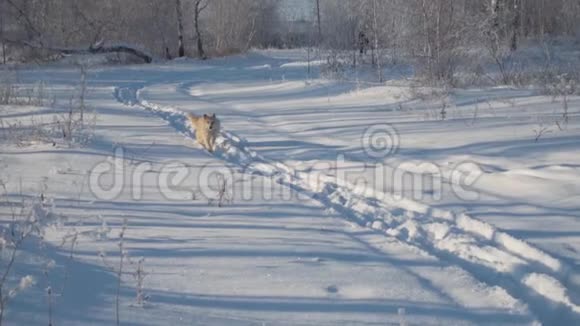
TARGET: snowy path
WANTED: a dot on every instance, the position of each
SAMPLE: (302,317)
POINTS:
(402,269)
(492,256)
(273,260)
(308,249)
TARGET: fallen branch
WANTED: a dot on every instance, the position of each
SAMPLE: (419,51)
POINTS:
(91,50)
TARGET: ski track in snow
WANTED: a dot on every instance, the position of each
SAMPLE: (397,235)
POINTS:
(491,255)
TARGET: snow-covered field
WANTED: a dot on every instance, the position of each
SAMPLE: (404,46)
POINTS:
(326,202)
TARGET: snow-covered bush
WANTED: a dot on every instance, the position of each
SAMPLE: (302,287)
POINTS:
(139,275)
(334,67)
(119,270)
(563,86)
(27,219)
(13,94)
(72,126)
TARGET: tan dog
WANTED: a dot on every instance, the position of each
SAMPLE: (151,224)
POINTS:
(207,128)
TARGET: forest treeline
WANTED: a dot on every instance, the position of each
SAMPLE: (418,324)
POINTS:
(436,33)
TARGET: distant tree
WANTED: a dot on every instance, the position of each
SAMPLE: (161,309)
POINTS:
(375,25)
(318,22)
(199,6)
(180,44)
(516,17)
(2,28)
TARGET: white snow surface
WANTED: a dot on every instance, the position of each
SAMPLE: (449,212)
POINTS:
(311,233)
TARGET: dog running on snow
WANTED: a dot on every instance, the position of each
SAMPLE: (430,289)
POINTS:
(207,128)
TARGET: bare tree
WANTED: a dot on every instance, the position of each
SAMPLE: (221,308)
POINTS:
(515,24)
(25,19)
(495,7)
(180,45)
(318,22)
(376,52)
(2,22)
(198,7)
